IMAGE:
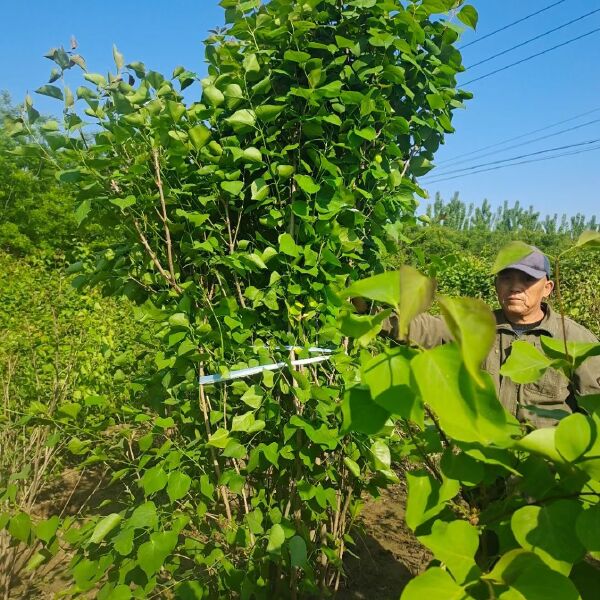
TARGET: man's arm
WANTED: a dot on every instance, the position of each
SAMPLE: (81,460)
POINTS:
(425,330)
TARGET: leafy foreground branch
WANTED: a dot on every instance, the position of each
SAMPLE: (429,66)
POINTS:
(506,512)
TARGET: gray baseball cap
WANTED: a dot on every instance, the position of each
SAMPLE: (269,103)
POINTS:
(535,264)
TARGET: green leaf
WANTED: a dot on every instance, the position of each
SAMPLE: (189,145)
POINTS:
(462,467)
(288,246)
(244,422)
(296,56)
(178,485)
(436,101)
(268,112)
(123,541)
(153,480)
(588,239)
(416,296)
(233,187)
(96,78)
(388,376)
(367,133)
(242,119)
(219,438)
(250,63)
(50,90)
(19,527)
(152,554)
(530,579)
(541,441)
(454,544)
(525,364)
(253,396)
(384,287)
(199,136)
(434,584)
(46,529)
(252,155)
(35,561)
(510,254)
(578,351)
(360,413)
(285,171)
(298,552)
(214,95)
(118,57)
(363,328)
(473,326)
(468,15)
(549,532)
(427,497)
(307,184)
(123,203)
(353,466)
(587,527)
(195,218)
(143,516)
(104,527)
(574,436)
(276,539)
(467,412)
(82,211)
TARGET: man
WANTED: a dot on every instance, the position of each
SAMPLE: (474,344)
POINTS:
(522,289)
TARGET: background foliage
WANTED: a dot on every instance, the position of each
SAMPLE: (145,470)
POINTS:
(233,224)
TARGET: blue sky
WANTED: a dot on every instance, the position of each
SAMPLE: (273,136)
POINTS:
(551,88)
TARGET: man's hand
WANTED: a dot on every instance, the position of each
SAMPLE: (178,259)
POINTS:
(361,305)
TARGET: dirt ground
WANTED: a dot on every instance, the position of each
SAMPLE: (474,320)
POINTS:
(388,553)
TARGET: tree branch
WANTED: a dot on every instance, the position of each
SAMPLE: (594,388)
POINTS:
(166,275)
(164,219)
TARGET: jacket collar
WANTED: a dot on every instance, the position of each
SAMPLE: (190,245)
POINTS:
(550,324)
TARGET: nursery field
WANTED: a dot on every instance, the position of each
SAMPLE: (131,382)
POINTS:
(193,403)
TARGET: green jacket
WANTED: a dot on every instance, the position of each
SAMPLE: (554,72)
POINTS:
(550,393)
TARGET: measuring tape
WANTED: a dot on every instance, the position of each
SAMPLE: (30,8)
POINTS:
(326,354)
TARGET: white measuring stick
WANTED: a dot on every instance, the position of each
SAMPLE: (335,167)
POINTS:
(216,378)
(311,349)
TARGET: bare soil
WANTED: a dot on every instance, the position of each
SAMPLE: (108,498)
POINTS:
(388,555)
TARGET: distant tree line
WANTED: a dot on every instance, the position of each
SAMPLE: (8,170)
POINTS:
(460,216)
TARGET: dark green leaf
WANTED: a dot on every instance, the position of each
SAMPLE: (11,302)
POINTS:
(50,90)
(361,413)
(454,544)
(468,15)
(153,553)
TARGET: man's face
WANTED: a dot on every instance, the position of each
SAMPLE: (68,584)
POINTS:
(521,296)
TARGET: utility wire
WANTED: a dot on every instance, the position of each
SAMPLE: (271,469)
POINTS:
(538,152)
(519,137)
(527,58)
(505,27)
(533,39)
(523,162)
(542,137)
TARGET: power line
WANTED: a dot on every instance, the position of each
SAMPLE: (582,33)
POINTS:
(533,39)
(538,139)
(523,162)
(520,136)
(527,58)
(505,27)
(538,152)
